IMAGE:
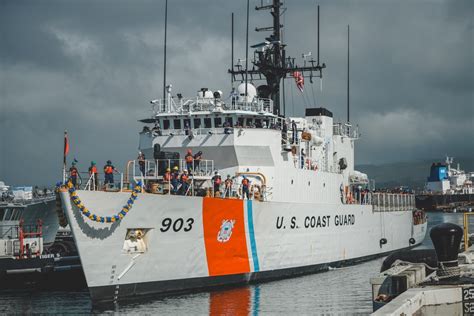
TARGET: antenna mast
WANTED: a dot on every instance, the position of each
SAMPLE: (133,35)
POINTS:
(247,51)
(232,49)
(269,58)
(164,61)
(348,117)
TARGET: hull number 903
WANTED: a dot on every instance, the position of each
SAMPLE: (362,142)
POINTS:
(176,225)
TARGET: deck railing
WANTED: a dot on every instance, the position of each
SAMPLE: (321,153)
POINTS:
(388,202)
(198,104)
(381,201)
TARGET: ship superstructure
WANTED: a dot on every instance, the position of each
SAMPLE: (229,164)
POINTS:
(28,221)
(445,179)
(307,208)
(447,187)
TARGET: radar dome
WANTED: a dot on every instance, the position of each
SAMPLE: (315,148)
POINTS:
(251,92)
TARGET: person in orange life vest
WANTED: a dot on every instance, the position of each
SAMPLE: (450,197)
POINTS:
(93,172)
(174,180)
(245,188)
(184,182)
(197,160)
(109,170)
(141,162)
(216,181)
(189,160)
(228,186)
(73,173)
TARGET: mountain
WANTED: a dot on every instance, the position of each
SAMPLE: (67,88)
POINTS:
(410,173)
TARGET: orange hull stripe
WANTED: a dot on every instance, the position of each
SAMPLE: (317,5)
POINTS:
(224,236)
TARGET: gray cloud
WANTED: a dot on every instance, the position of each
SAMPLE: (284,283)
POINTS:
(91,67)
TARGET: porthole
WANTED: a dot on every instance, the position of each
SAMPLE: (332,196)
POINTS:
(291,181)
(309,183)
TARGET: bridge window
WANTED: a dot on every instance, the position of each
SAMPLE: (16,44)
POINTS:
(229,120)
(177,124)
(188,122)
(16,214)
(217,122)
(197,122)
(166,124)
(207,122)
(2,212)
(8,214)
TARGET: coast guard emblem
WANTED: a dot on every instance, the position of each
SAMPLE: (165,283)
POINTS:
(225,231)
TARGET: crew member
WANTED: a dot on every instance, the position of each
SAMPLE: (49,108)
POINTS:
(197,160)
(156,130)
(73,174)
(302,158)
(94,175)
(187,128)
(141,162)
(228,186)
(284,132)
(189,160)
(227,127)
(167,177)
(294,132)
(109,170)
(245,188)
(216,182)
(184,182)
(174,180)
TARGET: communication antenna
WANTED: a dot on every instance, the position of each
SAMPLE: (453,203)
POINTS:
(164,61)
(318,36)
(247,50)
(232,51)
(270,61)
(348,74)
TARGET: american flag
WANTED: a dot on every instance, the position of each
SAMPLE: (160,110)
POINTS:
(299,79)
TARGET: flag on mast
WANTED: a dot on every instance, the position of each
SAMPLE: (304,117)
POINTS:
(66,146)
(299,79)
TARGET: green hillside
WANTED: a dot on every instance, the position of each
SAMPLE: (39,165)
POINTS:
(411,173)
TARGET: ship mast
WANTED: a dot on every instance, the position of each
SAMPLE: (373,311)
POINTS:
(270,62)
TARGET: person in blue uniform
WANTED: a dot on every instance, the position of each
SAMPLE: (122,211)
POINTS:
(245,188)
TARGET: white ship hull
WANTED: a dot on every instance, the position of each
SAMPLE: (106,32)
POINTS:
(268,240)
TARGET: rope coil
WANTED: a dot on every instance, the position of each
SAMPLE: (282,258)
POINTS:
(103,219)
(448,269)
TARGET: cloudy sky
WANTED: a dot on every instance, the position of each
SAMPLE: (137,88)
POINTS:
(91,67)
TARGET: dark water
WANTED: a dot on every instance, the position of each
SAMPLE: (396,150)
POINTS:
(339,291)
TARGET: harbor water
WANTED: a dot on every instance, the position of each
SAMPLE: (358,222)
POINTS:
(344,290)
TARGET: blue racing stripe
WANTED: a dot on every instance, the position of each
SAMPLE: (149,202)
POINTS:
(253,244)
